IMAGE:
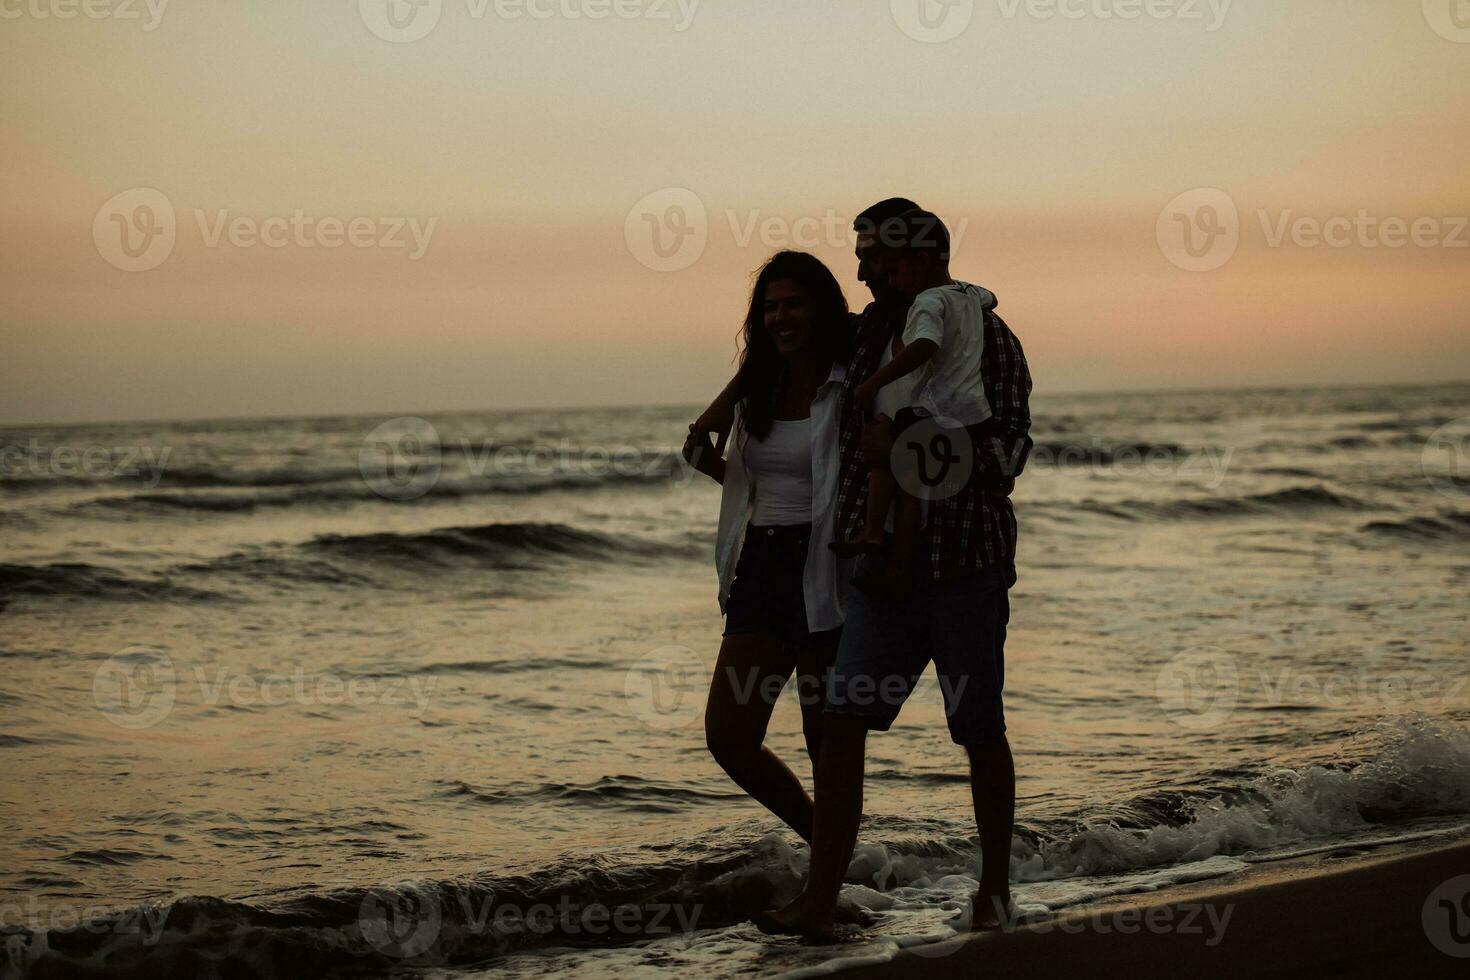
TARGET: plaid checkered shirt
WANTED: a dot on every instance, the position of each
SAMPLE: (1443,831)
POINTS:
(976,527)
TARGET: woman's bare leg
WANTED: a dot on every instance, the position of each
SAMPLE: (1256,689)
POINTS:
(741,696)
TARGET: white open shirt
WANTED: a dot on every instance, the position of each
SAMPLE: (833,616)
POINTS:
(819,579)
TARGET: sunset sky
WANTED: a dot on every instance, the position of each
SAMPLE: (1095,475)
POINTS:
(519,145)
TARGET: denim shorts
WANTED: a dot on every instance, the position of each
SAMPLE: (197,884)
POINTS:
(959,624)
(767,595)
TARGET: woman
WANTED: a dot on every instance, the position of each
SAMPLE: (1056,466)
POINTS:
(778,578)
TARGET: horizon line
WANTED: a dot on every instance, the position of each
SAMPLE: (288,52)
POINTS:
(1081,392)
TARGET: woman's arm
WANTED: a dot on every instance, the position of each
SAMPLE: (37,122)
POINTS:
(718,419)
(701,454)
(720,414)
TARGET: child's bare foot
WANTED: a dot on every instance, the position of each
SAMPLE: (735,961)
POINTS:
(797,919)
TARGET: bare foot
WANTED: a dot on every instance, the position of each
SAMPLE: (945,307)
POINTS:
(990,911)
(797,919)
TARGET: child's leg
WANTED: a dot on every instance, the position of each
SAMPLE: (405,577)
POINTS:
(891,579)
(881,488)
(906,515)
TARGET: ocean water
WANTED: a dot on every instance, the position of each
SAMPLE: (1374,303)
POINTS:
(373,695)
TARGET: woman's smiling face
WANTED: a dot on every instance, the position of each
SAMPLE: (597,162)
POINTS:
(789,316)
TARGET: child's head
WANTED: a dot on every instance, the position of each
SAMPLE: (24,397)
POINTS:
(920,256)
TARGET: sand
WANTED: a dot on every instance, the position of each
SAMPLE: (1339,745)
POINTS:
(1342,914)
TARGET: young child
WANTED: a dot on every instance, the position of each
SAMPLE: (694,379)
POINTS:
(935,368)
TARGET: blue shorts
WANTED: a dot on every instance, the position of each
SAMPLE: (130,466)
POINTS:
(767,594)
(959,624)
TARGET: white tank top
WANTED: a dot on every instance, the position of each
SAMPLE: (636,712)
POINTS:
(780,466)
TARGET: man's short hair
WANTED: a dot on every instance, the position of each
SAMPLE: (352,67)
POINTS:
(880,215)
(920,231)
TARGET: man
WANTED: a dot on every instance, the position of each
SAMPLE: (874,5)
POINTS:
(955,615)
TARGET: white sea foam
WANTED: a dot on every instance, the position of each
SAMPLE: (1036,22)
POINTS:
(1423,768)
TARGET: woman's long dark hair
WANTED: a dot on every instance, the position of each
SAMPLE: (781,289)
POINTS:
(761,365)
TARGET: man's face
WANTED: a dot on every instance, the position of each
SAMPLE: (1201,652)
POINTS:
(874,260)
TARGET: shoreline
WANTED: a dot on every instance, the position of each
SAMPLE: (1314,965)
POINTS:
(1344,912)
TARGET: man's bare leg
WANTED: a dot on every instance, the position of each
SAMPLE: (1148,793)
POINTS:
(839,810)
(993,788)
